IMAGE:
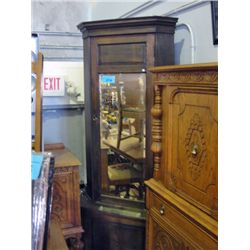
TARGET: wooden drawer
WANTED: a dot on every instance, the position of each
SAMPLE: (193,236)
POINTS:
(160,236)
(178,224)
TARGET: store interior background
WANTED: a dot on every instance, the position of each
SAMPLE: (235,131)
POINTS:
(18,22)
(61,43)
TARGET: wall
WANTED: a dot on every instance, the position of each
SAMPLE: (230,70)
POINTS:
(72,73)
(193,36)
(60,38)
(195,25)
(63,116)
(68,127)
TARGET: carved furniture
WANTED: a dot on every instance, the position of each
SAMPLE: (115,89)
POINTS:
(182,197)
(114,51)
(66,194)
(120,48)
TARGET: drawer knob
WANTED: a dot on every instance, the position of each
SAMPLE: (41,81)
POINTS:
(194,150)
(162,210)
(94,118)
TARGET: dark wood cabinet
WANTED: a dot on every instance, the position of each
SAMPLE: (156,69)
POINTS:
(117,55)
(182,197)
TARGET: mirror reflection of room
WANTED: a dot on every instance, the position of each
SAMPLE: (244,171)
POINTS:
(122,130)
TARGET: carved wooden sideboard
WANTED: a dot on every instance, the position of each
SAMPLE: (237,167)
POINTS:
(66,196)
(182,197)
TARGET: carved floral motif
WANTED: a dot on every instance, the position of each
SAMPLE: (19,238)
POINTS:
(65,169)
(58,201)
(188,77)
(195,145)
(163,240)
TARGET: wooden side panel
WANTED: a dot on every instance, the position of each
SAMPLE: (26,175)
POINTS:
(114,236)
(66,197)
(111,231)
(126,53)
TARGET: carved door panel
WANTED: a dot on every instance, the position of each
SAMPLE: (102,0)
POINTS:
(193,146)
(63,197)
(164,238)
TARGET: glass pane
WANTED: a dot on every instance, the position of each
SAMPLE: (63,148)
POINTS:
(122,130)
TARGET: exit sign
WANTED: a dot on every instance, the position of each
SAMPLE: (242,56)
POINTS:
(53,86)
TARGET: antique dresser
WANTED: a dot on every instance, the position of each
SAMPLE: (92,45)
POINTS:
(182,197)
(66,194)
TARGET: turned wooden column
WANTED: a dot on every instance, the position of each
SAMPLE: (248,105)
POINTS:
(156,146)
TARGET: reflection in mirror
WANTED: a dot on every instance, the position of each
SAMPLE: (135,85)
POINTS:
(122,130)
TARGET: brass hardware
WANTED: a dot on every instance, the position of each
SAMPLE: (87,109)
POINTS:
(194,150)
(162,210)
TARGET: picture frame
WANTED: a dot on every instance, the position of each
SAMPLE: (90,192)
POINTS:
(214,10)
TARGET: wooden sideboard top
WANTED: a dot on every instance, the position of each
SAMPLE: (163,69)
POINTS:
(63,156)
(185,67)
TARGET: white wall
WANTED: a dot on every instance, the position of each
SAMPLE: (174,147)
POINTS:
(199,20)
(195,14)
(194,24)
(67,127)
(72,72)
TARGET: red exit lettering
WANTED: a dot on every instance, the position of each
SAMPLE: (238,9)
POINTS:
(51,83)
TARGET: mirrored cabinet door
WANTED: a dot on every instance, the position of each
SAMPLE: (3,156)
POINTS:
(118,99)
(122,134)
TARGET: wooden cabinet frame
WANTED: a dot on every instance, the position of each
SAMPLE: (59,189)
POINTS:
(105,46)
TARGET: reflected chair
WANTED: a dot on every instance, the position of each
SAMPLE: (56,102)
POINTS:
(124,176)
(131,108)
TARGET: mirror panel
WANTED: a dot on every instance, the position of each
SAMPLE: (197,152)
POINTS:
(122,132)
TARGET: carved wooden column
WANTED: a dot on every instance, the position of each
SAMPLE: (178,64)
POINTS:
(156,148)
